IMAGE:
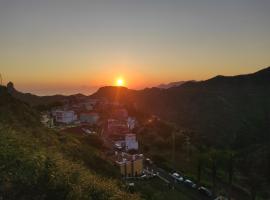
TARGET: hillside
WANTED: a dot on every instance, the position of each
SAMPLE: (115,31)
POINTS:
(222,114)
(35,100)
(37,163)
(172,84)
(221,111)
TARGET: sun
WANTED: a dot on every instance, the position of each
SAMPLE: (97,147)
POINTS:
(120,82)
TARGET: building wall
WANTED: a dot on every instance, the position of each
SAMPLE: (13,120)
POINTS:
(138,167)
(131,123)
(131,142)
(132,168)
(122,170)
(65,116)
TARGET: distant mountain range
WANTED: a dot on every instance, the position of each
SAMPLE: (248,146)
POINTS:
(35,100)
(220,111)
(223,111)
(172,84)
(230,113)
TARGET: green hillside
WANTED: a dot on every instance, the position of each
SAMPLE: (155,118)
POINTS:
(222,111)
(37,163)
(213,117)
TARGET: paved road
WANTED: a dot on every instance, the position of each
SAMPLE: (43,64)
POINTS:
(190,192)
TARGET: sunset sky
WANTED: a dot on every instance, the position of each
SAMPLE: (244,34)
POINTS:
(64,46)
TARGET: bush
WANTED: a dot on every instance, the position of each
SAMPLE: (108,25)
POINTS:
(29,171)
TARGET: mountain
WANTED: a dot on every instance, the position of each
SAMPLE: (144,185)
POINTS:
(224,111)
(172,84)
(40,163)
(35,100)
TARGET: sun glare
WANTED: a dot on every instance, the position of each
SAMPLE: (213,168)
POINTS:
(120,82)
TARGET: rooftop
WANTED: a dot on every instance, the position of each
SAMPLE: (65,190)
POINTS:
(121,157)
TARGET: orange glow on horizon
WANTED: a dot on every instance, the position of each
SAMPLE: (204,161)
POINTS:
(120,82)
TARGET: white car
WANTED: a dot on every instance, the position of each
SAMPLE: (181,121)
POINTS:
(189,183)
(205,191)
(177,177)
(144,176)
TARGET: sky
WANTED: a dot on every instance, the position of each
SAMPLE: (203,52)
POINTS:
(64,46)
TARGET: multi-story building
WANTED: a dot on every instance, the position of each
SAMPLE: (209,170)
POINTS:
(129,165)
(65,116)
(131,122)
(126,142)
(131,142)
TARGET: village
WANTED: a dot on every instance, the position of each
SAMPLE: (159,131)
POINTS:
(115,128)
(113,124)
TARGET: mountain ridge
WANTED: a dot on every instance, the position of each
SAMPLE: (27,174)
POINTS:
(171,84)
(232,103)
(41,163)
(34,100)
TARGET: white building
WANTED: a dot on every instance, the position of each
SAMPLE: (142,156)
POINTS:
(64,116)
(127,142)
(131,122)
(131,142)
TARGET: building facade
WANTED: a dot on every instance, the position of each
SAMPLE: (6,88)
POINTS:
(131,142)
(130,165)
(66,117)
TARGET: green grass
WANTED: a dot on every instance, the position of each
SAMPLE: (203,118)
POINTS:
(30,170)
(40,164)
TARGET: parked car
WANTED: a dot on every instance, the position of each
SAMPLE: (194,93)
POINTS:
(177,177)
(155,174)
(144,176)
(189,183)
(118,147)
(148,161)
(205,191)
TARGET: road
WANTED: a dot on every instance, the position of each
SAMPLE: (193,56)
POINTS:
(190,192)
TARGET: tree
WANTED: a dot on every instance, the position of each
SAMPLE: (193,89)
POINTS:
(201,157)
(214,156)
(252,171)
(230,173)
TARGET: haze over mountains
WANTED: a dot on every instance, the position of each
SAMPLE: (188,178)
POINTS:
(225,112)
(220,110)
(172,84)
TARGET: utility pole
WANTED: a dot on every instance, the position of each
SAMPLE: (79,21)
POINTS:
(173,148)
(188,148)
(1,80)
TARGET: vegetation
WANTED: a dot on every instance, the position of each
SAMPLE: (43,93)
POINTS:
(222,137)
(37,163)
(220,115)
(156,189)
(225,171)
